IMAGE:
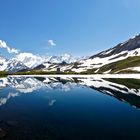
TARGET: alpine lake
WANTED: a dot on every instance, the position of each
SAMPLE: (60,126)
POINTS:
(69,108)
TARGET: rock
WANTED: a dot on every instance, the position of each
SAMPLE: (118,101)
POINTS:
(2,133)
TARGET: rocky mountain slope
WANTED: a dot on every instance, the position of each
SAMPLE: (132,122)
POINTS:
(123,58)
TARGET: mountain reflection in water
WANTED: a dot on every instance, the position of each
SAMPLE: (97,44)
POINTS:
(126,90)
(67,108)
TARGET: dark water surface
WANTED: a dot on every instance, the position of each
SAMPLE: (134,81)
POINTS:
(41,108)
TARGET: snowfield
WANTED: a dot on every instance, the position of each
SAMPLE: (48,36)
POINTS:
(98,62)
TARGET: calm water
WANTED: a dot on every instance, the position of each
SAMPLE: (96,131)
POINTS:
(39,108)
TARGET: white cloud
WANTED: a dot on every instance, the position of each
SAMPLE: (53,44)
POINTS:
(12,50)
(9,49)
(51,42)
(2,44)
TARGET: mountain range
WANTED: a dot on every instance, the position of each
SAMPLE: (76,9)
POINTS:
(123,58)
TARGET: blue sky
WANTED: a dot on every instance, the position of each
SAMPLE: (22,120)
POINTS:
(78,27)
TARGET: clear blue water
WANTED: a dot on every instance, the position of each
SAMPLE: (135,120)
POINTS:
(69,109)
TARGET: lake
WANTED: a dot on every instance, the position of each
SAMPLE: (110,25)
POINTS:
(69,108)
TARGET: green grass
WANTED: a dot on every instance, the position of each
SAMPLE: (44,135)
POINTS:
(89,71)
(3,74)
(128,72)
(122,64)
(37,72)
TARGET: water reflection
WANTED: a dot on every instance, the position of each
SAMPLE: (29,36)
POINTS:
(54,108)
(125,90)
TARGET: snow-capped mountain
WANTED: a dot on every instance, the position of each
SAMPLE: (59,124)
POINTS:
(15,66)
(67,58)
(126,54)
(53,62)
(11,65)
(30,60)
(123,58)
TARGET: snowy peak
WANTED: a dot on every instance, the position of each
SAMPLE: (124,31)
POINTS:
(11,65)
(15,66)
(29,60)
(67,58)
(129,45)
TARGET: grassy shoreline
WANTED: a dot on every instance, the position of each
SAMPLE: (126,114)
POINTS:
(4,74)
